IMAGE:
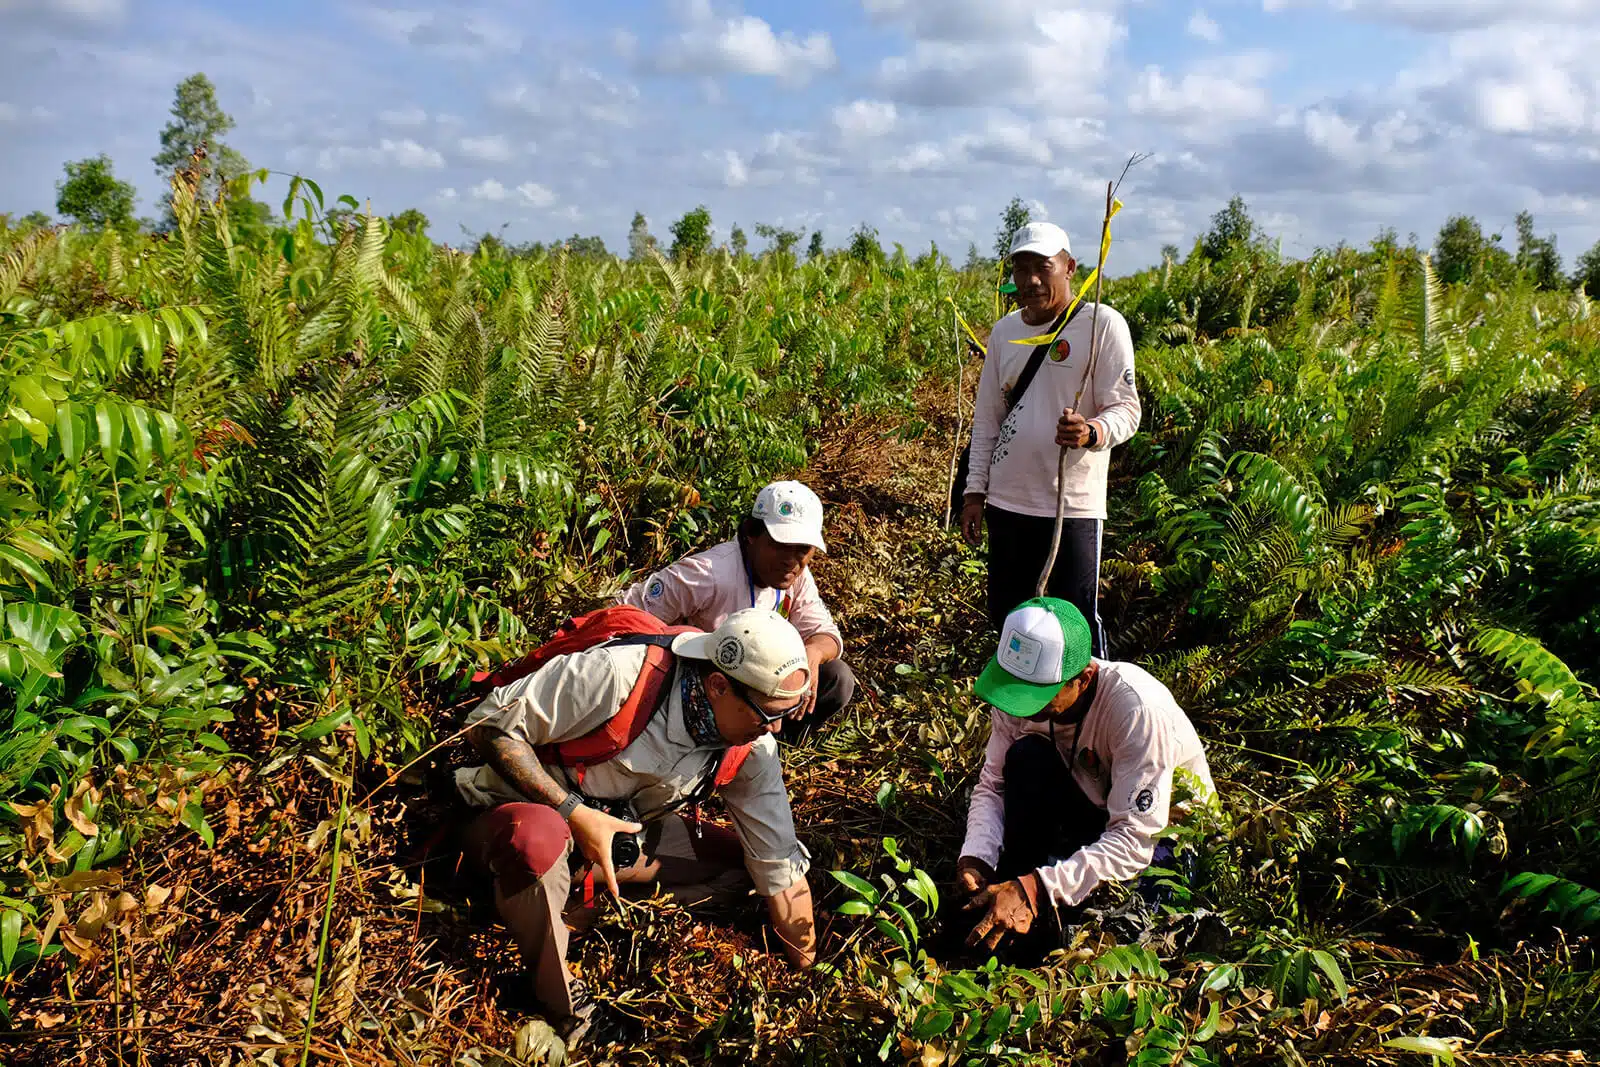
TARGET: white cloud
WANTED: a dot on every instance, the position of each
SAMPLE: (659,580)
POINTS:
(1197,98)
(1204,27)
(734,171)
(1447,15)
(80,10)
(575,92)
(865,118)
(1052,57)
(530,193)
(747,45)
(494,148)
(489,190)
(405,154)
(535,195)
(405,116)
(447,194)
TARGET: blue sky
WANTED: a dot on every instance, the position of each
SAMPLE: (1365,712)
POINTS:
(1333,118)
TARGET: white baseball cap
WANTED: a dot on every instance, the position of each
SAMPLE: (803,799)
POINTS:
(1041,238)
(757,646)
(793,514)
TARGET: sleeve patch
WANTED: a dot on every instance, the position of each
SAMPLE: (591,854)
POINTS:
(655,589)
(1127,375)
(1143,799)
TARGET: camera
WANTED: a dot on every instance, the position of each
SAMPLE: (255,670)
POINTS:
(625,848)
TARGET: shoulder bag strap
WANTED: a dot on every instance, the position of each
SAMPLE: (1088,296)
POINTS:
(1036,359)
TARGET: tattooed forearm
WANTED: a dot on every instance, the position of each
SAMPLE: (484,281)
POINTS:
(516,762)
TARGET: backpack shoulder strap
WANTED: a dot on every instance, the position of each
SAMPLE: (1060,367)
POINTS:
(1036,359)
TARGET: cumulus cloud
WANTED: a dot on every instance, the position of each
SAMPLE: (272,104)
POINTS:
(404,116)
(1446,15)
(405,153)
(1204,27)
(494,148)
(531,194)
(746,45)
(1052,55)
(573,92)
(1196,98)
(864,118)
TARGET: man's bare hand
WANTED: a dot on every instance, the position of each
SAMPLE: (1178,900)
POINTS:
(592,830)
(1007,910)
(972,520)
(972,874)
(1072,430)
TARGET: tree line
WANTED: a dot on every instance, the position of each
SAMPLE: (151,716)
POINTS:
(92,196)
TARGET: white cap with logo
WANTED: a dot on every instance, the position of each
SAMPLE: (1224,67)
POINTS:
(1041,238)
(756,646)
(793,514)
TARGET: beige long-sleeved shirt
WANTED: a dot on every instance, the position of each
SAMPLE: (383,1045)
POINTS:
(1014,457)
(573,694)
(703,589)
(1134,737)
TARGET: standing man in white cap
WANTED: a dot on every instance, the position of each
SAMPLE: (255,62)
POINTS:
(766,564)
(709,695)
(1077,779)
(1022,420)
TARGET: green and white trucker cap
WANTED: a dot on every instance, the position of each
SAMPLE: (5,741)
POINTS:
(1044,643)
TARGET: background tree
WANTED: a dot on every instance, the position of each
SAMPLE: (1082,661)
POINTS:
(1013,218)
(93,196)
(1169,253)
(591,247)
(975,259)
(815,250)
(738,242)
(864,245)
(640,240)
(33,220)
(409,221)
(691,235)
(1462,253)
(1587,273)
(1537,257)
(1231,228)
(781,240)
(197,118)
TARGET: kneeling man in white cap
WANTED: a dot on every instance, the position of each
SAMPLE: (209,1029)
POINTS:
(766,564)
(545,817)
(1077,778)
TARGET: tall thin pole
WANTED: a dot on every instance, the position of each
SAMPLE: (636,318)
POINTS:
(1088,371)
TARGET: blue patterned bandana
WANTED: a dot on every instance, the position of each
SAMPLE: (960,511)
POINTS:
(698,714)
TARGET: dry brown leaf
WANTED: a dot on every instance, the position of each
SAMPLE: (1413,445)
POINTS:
(93,919)
(346,974)
(155,896)
(73,808)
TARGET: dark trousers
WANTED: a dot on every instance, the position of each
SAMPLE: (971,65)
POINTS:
(836,686)
(1018,545)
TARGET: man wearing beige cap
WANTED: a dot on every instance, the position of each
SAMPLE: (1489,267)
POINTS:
(722,691)
(1032,404)
(766,564)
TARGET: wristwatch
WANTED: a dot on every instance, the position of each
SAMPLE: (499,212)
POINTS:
(567,806)
(1094,435)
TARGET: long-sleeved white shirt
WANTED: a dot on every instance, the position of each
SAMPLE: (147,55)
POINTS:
(1134,737)
(703,589)
(1014,458)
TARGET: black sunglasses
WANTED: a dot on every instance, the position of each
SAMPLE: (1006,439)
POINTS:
(766,718)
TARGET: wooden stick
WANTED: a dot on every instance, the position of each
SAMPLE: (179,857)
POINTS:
(955,451)
(1094,350)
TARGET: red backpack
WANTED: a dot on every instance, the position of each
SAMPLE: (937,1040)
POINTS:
(617,625)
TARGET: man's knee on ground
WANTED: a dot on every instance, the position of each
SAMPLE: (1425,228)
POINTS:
(525,842)
(836,685)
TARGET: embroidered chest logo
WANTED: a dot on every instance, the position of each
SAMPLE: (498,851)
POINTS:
(1062,350)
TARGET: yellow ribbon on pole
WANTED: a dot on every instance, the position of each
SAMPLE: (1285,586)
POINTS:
(970,332)
(1083,289)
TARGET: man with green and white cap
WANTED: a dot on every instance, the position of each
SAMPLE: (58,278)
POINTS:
(1077,778)
(765,564)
